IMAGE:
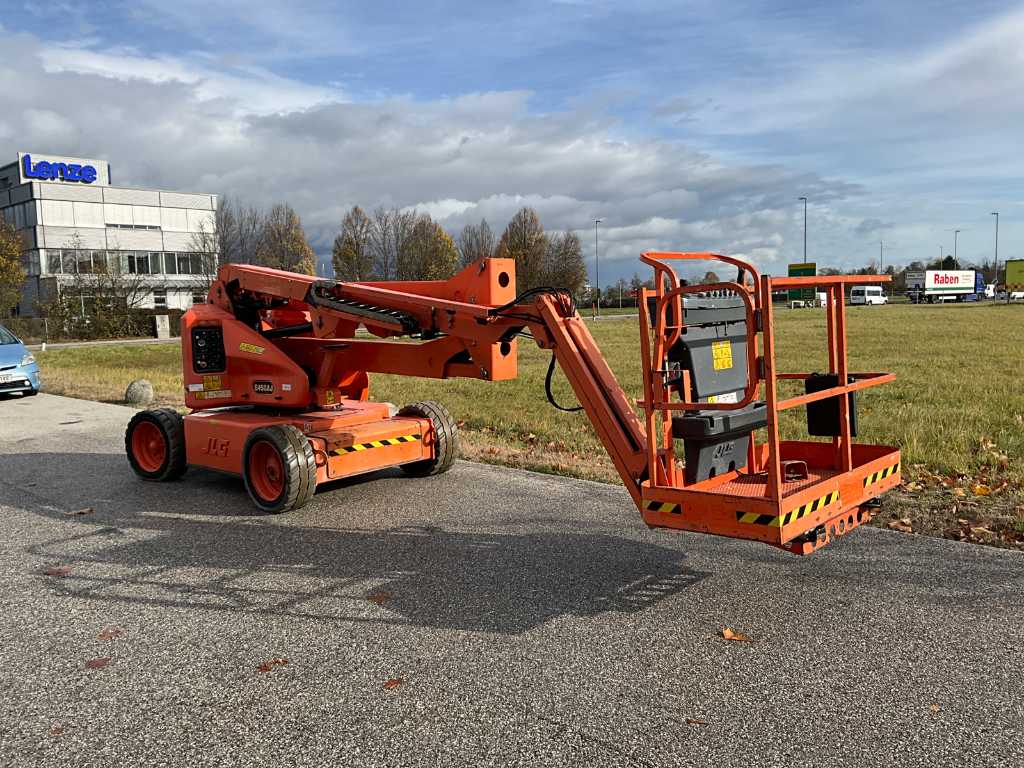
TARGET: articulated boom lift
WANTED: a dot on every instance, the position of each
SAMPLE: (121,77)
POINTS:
(277,380)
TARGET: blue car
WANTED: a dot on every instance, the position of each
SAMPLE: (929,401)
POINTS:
(18,369)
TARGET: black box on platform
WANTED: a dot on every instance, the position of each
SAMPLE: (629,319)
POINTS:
(823,415)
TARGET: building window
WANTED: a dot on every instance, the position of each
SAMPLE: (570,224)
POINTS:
(170,264)
(198,297)
(156,263)
(84,262)
(138,263)
(202,263)
(160,298)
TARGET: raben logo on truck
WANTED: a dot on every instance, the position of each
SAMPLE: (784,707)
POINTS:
(47,171)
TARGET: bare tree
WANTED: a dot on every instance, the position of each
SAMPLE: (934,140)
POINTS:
(563,263)
(353,256)
(283,244)
(475,242)
(102,293)
(390,239)
(524,240)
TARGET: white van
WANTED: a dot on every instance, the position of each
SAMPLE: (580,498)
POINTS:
(867,294)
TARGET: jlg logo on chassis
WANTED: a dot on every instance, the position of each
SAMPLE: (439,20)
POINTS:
(217,447)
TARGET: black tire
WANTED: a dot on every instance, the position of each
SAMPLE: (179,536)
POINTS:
(446,437)
(298,478)
(32,393)
(171,426)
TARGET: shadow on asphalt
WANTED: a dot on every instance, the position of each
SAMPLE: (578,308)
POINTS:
(422,575)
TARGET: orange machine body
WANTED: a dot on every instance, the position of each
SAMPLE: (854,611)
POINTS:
(263,351)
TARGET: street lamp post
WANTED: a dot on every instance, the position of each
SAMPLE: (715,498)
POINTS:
(597,266)
(956,232)
(805,228)
(996,278)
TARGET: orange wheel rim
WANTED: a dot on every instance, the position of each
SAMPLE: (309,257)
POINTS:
(266,471)
(149,446)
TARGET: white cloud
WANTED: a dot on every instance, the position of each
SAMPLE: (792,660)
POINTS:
(251,90)
(183,123)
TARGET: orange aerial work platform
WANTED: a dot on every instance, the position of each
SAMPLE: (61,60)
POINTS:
(277,380)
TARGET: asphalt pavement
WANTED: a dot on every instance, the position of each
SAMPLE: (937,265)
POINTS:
(522,619)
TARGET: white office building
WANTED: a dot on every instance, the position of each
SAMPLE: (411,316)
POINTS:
(74,222)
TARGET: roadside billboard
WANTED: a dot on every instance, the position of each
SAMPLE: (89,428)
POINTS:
(1015,275)
(809,269)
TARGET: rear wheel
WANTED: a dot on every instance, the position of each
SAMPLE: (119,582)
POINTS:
(446,438)
(279,468)
(155,444)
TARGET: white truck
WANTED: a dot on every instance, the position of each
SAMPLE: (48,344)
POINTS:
(937,285)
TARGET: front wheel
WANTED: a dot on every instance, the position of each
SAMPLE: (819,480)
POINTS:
(446,438)
(155,444)
(279,468)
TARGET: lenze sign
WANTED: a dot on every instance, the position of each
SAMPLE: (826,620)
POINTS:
(71,170)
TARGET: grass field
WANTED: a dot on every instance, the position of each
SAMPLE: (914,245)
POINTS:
(956,410)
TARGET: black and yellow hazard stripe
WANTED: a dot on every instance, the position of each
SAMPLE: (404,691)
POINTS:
(375,444)
(794,514)
(881,474)
(662,506)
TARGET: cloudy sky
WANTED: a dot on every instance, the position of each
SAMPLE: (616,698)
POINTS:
(684,125)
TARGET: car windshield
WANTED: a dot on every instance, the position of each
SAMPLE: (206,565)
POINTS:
(6,337)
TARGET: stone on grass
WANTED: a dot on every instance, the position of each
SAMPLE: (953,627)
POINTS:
(139,392)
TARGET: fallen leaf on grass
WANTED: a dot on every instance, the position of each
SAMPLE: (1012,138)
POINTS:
(393,683)
(903,525)
(109,633)
(934,708)
(379,597)
(266,666)
(981,490)
(78,512)
(959,492)
(981,531)
(737,637)
(99,663)
(695,721)
(61,570)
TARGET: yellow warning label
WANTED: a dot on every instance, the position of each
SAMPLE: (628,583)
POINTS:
(721,355)
(211,382)
(253,348)
(329,396)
